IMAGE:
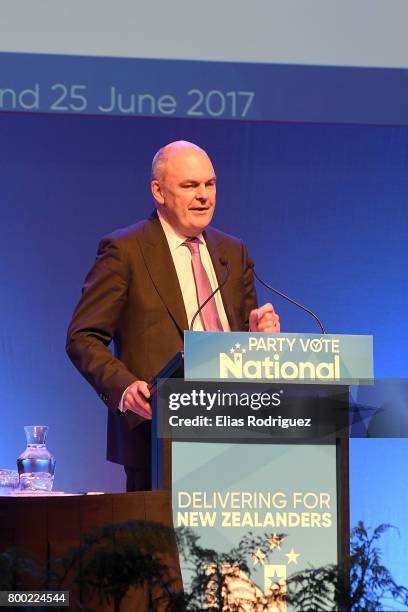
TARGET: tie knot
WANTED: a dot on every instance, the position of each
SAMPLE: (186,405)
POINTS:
(193,244)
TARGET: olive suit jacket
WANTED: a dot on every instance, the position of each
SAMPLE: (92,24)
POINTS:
(132,296)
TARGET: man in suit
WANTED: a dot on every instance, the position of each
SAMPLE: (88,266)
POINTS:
(142,293)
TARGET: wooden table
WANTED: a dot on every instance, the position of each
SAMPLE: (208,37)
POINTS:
(47,527)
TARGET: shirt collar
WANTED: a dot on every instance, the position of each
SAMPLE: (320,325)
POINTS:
(174,238)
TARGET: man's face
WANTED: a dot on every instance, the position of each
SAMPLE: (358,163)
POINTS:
(185,192)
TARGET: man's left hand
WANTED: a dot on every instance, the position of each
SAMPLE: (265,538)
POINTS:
(264,319)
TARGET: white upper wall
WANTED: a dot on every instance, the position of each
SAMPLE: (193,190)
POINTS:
(329,32)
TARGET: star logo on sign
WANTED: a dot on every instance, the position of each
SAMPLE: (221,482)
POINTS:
(258,557)
(237,348)
(275,541)
(292,556)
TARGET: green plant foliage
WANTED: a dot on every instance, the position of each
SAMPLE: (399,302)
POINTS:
(371,582)
(211,571)
(361,585)
(118,556)
(364,584)
(13,564)
(109,560)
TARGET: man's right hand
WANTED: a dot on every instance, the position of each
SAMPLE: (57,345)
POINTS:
(135,399)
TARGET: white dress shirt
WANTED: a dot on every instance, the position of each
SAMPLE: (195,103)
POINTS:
(182,262)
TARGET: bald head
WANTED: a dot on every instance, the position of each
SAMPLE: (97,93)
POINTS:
(183,186)
(169,151)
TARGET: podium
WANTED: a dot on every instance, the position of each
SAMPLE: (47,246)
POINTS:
(254,467)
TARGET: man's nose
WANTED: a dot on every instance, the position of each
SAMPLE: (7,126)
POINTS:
(201,193)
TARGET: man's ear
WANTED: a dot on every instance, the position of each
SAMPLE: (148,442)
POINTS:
(157,191)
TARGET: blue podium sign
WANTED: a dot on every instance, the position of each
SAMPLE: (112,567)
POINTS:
(280,358)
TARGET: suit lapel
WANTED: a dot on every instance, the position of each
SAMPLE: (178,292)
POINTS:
(217,249)
(160,266)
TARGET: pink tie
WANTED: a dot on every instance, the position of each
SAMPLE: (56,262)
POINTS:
(209,314)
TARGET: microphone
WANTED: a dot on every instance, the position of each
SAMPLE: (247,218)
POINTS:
(286,297)
(224,262)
